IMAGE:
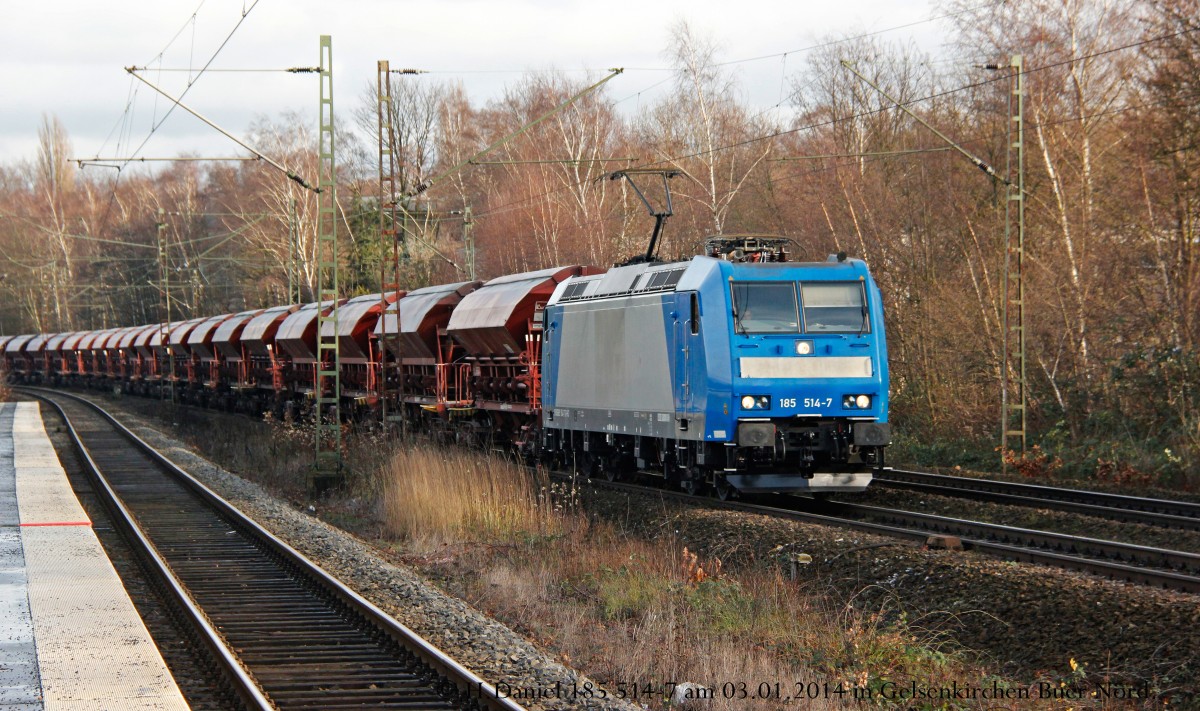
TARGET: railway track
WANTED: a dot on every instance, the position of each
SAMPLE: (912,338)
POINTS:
(1144,564)
(1172,570)
(1157,512)
(286,634)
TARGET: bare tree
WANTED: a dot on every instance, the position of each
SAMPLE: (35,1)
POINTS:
(1078,81)
(1169,123)
(702,129)
(552,174)
(262,202)
(54,186)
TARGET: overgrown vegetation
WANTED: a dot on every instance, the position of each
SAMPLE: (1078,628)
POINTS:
(636,613)
(432,496)
(1112,292)
(617,606)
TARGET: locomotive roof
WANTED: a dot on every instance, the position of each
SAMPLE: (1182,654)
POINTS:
(688,276)
(619,281)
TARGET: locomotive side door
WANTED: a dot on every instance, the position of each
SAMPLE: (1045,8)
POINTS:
(686,327)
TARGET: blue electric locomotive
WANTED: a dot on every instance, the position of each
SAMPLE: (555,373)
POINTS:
(735,371)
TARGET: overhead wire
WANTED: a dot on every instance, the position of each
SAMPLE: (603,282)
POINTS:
(782,78)
(810,48)
(862,114)
(831,121)
(878,157)
(882,155)
(191,82)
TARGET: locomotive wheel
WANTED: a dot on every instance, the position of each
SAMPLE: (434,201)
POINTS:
(723,489)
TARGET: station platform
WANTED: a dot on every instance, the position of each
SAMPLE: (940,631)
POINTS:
(70,637)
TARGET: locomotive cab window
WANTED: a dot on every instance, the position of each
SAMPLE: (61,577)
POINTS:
(834,307)
(762,307)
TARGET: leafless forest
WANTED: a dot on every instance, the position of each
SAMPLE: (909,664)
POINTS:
(1113,199)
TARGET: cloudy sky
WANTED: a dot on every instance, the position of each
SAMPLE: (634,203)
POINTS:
(66,58)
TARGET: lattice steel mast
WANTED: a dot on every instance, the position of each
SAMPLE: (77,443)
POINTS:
(1013,395)
(328,386)
(388,233)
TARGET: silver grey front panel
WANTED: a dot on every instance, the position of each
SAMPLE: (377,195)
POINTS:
(614,372)
(614,356)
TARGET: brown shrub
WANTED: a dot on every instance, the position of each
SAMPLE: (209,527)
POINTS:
(453,495)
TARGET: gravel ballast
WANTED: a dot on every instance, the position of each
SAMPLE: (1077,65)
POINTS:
(1031,622)
(490,649)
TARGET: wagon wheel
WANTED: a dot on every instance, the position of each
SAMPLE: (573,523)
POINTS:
(585,465)
(723,490)
(693,482)
(609,468)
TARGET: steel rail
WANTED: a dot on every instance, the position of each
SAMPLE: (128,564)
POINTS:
(1158,512)
(1165,579)
(470,687)
(242,683)
(1188,563)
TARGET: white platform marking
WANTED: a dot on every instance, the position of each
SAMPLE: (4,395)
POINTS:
(93,650)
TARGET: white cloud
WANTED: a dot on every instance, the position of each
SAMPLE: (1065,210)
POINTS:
(66,57)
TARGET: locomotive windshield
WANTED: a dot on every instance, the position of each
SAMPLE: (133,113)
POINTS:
(761,307)
(829,307)
(834,307)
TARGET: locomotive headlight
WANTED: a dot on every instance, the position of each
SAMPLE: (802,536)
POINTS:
(804,347)
(856,402)
(756,402)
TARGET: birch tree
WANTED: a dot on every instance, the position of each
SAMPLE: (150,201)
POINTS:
(702,129)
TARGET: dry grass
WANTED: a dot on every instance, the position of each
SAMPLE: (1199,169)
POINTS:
(5,391)
(627,611)
(433,496)
(631,612)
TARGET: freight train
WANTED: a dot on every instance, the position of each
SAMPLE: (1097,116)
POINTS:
(737,370)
